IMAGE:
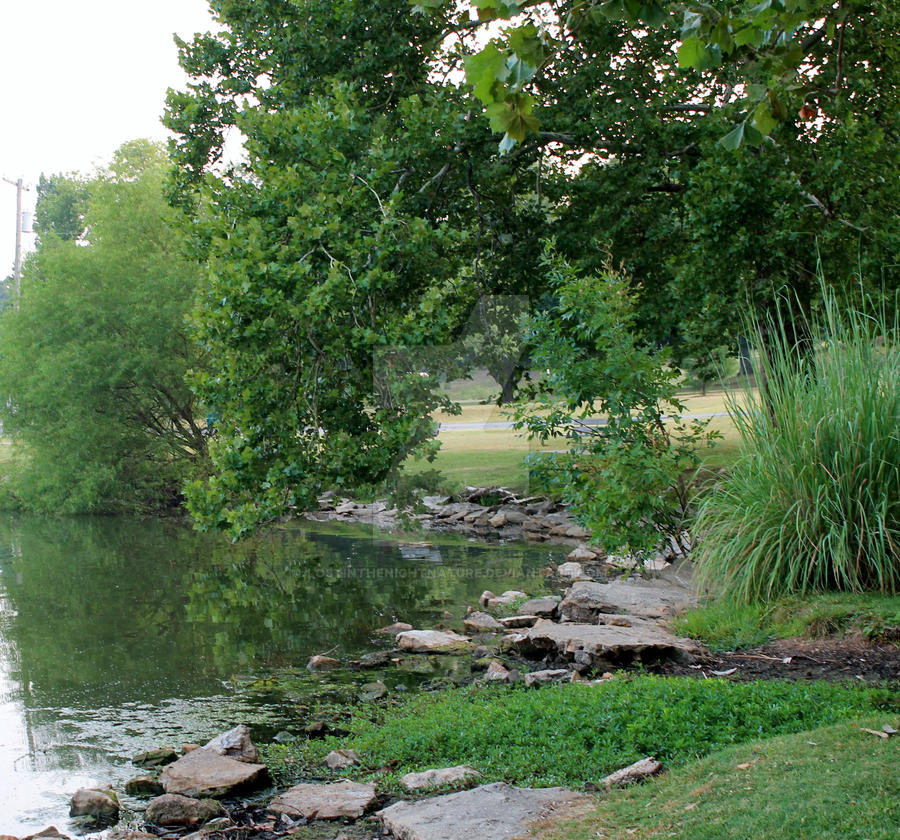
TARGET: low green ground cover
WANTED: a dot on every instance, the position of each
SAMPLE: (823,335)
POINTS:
(571,734)
(833,783)
(726,625)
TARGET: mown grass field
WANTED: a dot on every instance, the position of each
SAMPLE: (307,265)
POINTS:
(483,457)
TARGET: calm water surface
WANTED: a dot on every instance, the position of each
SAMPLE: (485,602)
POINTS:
(117,636)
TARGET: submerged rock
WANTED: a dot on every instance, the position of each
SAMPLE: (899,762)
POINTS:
(395,628)
(101,805)
(322,663)
(488,812)
(345,800)
(173,809)
(205,773)
(156,758)
(373,691)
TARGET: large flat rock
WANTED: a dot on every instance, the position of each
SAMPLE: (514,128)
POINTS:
(587,600)
(433,641)
(345,800)
(203,773)
(488,812)
(599,645)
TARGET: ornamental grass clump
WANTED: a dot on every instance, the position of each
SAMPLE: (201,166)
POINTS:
(813,500)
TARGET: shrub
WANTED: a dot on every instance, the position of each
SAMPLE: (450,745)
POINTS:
(813,500)
(629,477)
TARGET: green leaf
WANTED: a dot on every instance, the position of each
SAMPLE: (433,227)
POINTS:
(749,36)
(692,53)
(520,71)
(733,139)
(613,10)
(764,120)
(484,70)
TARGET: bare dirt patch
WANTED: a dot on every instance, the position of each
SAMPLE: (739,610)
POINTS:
(831,658)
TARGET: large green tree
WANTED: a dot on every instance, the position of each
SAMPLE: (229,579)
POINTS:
(367,218)
(662,118)
(94,352)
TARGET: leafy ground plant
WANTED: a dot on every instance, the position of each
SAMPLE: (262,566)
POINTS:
(813,500)
(579,733)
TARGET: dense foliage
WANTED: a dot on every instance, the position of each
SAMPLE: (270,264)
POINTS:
(371,212)
(813,501)
(94,352)
(357,235)
(628,478)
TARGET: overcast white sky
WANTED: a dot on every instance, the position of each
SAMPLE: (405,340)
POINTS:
(79,78)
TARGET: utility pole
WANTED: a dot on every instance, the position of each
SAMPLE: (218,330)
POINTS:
(17,270)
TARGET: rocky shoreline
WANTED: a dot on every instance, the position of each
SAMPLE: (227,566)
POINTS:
(492,514)
(191,792)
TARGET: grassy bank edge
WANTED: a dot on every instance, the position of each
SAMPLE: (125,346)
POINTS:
(725,625)
(830,783)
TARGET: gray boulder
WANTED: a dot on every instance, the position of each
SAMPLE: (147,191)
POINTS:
(570,571)
(587,600)
(488,812)
(606,645)
(547,676)
(236,744)
(546,607)
(339,759)
(433,641)
(504,600)
(439,777)
(481,622)
(515,622)
(203,773)
(172,809)
(345,800)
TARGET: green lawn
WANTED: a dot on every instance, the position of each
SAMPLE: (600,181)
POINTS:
(833,783)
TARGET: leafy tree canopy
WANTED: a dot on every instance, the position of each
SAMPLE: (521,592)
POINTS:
(94,352)
(371,211)
(61,206)
(367,219)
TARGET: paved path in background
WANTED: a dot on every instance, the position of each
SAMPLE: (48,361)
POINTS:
(593,421)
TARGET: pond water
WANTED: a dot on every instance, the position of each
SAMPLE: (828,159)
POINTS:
(118,636)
